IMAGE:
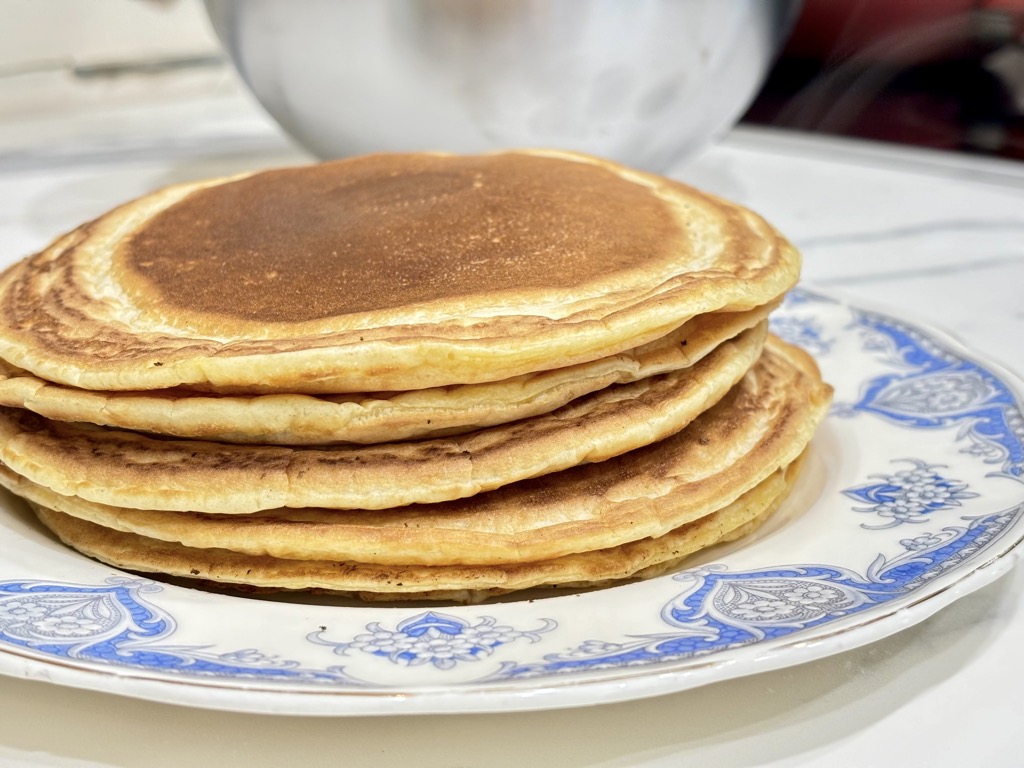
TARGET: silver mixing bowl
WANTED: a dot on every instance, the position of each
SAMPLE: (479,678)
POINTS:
(645,82)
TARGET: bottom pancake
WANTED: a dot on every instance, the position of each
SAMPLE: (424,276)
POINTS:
(457,583)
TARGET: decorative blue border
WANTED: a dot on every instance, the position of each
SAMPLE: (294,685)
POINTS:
(932,388)
(113,624)
(722,610)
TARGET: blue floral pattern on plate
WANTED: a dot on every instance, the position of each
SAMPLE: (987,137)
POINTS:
(913,485)
(909,495)
(435,638)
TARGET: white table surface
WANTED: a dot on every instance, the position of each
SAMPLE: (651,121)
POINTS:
(938,238)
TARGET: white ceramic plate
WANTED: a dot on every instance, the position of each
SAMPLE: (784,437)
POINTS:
(913,496)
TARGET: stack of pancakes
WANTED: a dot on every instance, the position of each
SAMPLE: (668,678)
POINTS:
(406,376)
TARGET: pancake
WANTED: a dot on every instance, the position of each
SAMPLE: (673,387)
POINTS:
(639,559)
(134,470)
(387,272)
(386,417)
(760,426)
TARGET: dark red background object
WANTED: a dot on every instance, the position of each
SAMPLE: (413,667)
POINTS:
(947,74)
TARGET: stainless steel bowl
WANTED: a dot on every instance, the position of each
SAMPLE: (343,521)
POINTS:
(642,81)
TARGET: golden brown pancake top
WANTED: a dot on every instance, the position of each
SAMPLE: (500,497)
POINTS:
(388,231)
(341,279)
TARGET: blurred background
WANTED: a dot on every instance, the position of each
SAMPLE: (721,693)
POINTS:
(945,74)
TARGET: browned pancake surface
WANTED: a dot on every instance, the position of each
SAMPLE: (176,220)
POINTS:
(389,231)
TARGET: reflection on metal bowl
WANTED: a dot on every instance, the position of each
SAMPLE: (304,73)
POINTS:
(645,82)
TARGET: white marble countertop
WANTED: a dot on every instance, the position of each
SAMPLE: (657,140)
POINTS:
(939,238)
